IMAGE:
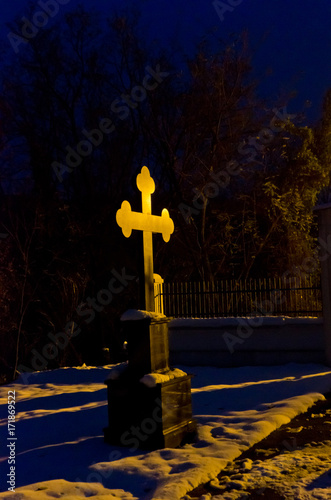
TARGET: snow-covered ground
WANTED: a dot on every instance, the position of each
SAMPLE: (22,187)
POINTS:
(60,452)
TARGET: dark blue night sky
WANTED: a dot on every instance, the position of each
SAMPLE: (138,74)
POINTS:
(290,39)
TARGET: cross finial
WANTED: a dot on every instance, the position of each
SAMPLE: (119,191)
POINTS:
(148,223)
(145,183)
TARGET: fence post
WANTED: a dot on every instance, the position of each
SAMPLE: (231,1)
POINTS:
(324,230)
(158,293)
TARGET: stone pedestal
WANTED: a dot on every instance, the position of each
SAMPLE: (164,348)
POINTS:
(149,417)
(155,415)
(148,345)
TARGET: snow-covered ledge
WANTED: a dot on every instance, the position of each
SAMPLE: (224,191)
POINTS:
(138,314)
(151,379)
(245,341)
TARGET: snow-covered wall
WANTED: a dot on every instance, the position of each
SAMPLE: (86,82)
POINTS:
(225,342)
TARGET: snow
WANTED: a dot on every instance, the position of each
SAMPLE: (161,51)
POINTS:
(60,450)
(151,379)
(137,314)
(256,321)
(117,370)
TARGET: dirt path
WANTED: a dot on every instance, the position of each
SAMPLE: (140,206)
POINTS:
(307,428)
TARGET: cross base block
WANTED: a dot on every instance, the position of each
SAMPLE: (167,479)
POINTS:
(150,417)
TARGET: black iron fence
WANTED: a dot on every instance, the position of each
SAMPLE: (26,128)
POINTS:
(298,296)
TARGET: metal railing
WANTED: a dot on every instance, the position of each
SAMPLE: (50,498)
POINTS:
(298,296)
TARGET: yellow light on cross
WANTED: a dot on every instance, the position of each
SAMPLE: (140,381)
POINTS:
(147,223)
(129,220)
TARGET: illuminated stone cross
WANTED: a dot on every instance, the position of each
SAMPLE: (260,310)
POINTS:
(148,224)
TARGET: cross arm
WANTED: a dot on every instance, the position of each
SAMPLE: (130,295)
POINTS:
(129,220)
